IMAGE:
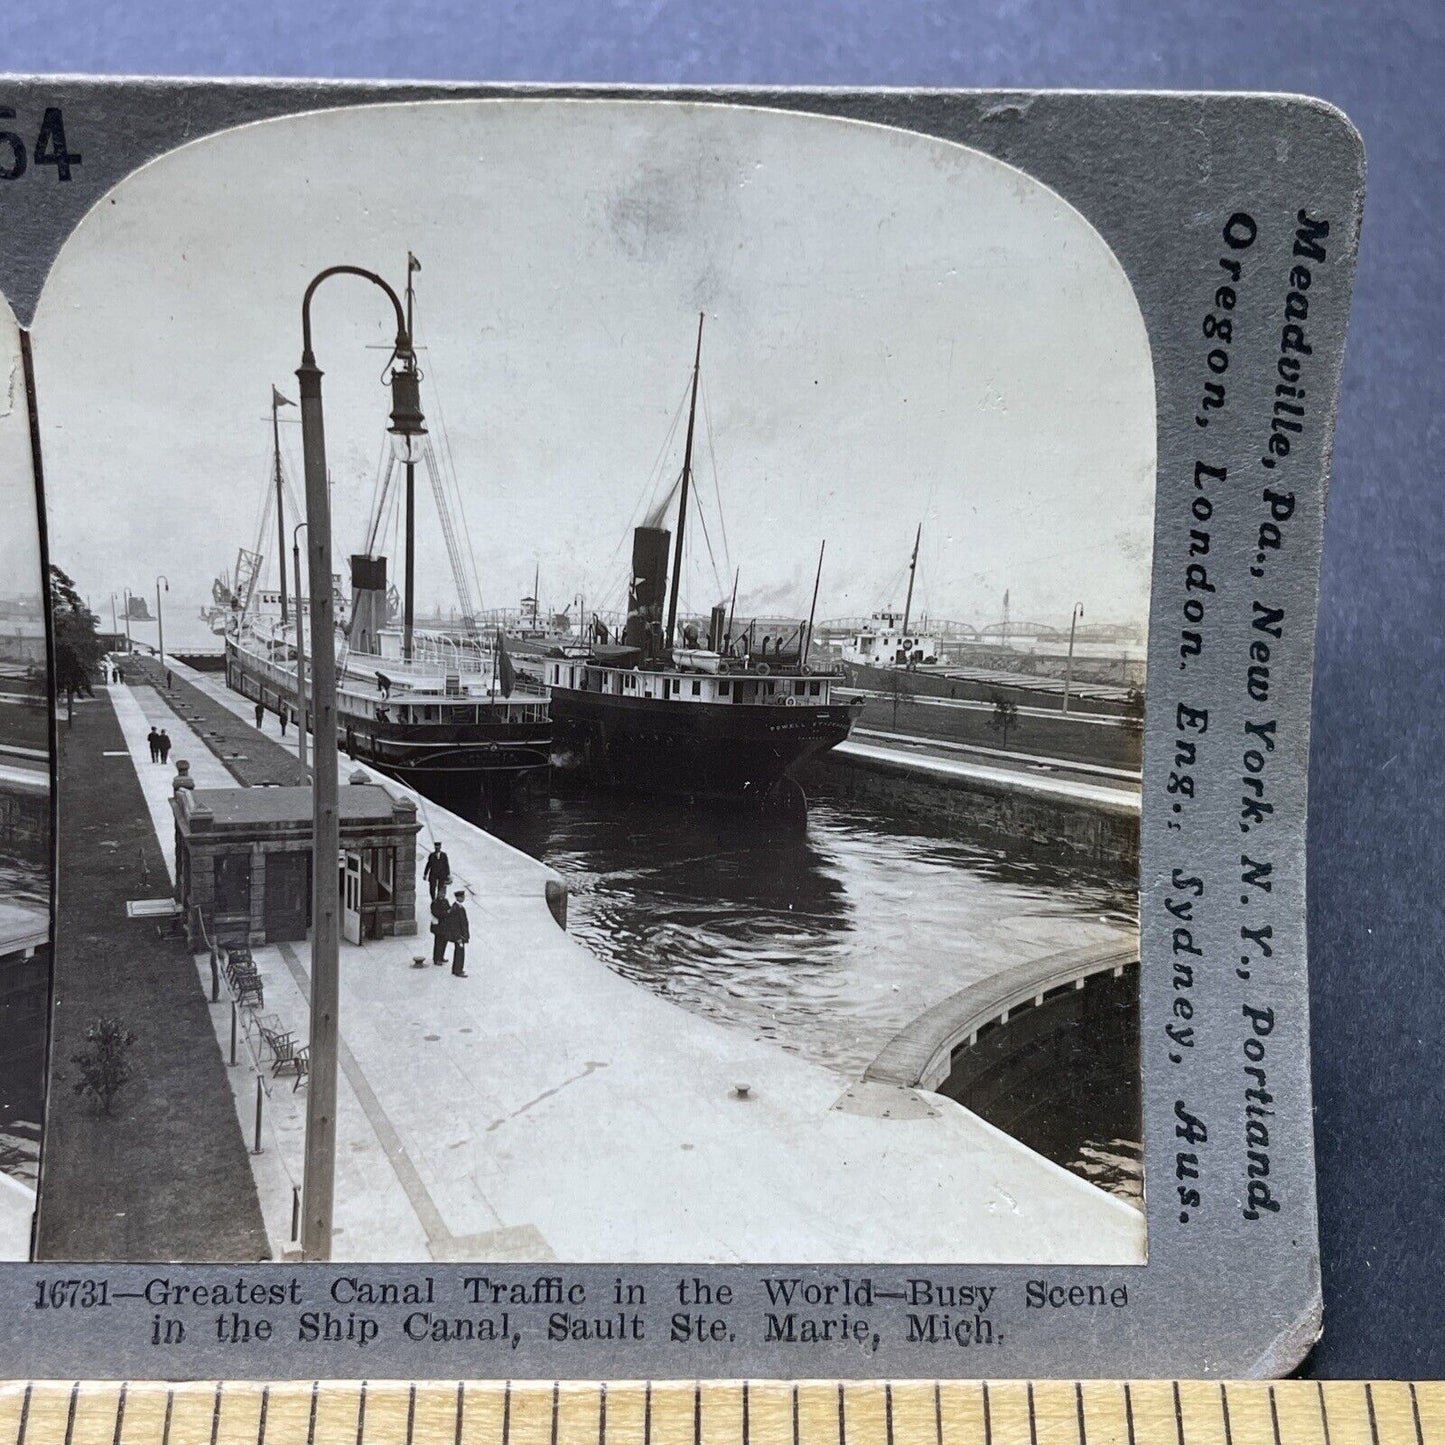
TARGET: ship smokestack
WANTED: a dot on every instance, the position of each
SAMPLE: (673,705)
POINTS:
(647,592)
(368,603)
(717,625)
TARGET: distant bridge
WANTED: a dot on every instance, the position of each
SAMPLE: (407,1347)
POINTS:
(1016,629)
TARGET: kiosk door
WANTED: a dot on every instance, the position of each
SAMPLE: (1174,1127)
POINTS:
(288,896)
(351,898)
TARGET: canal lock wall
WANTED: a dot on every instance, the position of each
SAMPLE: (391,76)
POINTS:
(1103,837)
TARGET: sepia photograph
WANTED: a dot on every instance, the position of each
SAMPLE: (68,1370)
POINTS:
(599,692)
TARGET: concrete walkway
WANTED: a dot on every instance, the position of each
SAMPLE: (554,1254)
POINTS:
(962,772)
(547,1108)
(138,710)
(972,704)
(1124,777)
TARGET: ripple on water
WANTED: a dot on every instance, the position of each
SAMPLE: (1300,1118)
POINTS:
(827,942)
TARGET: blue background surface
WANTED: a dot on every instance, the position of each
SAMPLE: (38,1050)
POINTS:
(1377,843)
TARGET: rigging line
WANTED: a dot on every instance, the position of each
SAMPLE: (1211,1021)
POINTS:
(265,524)
(657,514)
(291,496)
(258,517)
(706,536)
(386,468)
(289,468)
(653,480)
(469,619)
(716,485)
(378,496)
(658,470)
(389,529)
(450,460)
(263,514)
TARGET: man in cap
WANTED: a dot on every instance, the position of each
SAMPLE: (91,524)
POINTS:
(460,933)
(438,871)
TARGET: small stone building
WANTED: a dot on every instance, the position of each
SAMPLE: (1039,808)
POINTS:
(243,858)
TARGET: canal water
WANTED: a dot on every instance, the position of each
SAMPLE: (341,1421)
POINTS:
(827,943)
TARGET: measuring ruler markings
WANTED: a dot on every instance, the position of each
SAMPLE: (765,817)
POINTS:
(763,1412)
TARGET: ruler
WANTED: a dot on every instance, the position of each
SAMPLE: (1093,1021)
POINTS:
(758,1412)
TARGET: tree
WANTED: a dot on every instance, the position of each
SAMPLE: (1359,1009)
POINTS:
(78,648)
(105,1065)
(1005,714)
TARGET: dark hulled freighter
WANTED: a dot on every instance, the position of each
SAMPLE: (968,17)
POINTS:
(668,710)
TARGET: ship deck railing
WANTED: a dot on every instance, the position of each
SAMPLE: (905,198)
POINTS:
(367,697)
(792,688)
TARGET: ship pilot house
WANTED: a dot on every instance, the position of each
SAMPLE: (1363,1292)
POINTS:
(243,863)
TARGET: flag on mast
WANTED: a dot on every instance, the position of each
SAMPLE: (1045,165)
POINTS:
(278,400)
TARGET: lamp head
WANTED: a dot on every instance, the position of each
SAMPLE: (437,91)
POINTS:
(408,426)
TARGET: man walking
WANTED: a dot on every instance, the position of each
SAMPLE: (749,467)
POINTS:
(281,713)
(260,713)
(437,871)
(460,933)
(163,743)
(154,739)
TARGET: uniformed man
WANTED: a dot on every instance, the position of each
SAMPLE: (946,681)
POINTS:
(440,908)
(460,934)
(438,871)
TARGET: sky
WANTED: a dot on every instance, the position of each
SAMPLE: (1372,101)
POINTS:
(897,331)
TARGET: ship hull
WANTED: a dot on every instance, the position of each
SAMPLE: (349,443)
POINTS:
(491,749)
(733,754)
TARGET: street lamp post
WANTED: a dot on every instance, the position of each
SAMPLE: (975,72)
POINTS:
(319,1185)
(127,619)
(300,648)
(1077,613)
(161,617)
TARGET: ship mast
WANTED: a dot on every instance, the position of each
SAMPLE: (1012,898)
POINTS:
(813,610)
(682,499)
(409,597)
(276,400)
(912,570)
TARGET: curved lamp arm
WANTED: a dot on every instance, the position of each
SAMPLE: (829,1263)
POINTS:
(403,337)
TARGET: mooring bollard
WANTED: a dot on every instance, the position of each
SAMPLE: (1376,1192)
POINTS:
(295,1212)
(233,1035)
(260,1103)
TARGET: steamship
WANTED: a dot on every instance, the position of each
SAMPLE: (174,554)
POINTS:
(411,700)
(667,710)
(455,706)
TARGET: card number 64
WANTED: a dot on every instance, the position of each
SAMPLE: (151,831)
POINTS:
(50,147)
